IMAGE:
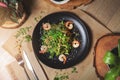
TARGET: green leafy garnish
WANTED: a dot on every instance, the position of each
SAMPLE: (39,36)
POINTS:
(57,39)
(114,63)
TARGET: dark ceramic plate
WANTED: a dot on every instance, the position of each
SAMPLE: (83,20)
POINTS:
(76,55)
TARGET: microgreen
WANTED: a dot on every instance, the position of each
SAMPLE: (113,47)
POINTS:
(61,77)
(65,76)
(57,40)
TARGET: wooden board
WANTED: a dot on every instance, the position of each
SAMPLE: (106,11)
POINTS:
(71,4)
(105,43)
(107,12)
(86,70)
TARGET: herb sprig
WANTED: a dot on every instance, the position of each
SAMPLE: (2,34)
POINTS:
(23,33)
(21,36)
(65,76)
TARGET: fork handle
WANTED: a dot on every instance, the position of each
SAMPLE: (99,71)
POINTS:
(28,78)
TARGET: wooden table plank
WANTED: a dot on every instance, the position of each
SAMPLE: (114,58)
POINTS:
(105,12)
(114,23)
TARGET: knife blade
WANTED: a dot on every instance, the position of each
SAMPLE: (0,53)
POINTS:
(29,65)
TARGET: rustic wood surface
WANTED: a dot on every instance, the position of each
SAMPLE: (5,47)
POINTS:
(106,12)
(72,4)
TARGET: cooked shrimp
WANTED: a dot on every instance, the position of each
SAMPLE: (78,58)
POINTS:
(75,43)
(46,26)
(43,49)
(69,25)
(62,58)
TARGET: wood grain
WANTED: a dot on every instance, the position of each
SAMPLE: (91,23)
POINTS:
(106,12)
(71,4)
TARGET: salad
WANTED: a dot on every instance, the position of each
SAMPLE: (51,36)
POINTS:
(57,40)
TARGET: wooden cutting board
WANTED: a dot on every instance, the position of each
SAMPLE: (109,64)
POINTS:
(105,43)
(85,69)
(72,4)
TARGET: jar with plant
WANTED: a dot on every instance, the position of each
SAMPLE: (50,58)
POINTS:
(12,13)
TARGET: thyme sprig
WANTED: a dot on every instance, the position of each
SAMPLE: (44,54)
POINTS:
(21,36)
(23,33)
(65,76)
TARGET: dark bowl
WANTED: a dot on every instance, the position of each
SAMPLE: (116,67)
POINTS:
(76,54)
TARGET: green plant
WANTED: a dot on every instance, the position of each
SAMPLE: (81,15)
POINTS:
(14,7)
(114,61)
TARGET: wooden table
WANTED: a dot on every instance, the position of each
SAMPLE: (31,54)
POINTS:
(106,12)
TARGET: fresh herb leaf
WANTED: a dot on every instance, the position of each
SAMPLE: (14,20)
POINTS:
(61,77)
(37,18)
(23,32)
(110,58)
(74,70)
(28,38)
(112,73)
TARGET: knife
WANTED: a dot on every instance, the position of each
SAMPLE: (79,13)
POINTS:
(29,65)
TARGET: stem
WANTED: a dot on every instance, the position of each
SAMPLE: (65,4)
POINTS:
(119,48)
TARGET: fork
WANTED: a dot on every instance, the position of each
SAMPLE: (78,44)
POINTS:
(21,63)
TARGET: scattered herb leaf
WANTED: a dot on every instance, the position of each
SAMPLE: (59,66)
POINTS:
(74,70)
(21,36)
(23,32)
(65,76)
(37,18)
(28,38)
(61,77)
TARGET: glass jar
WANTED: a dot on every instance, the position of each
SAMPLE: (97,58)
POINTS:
(12,13)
